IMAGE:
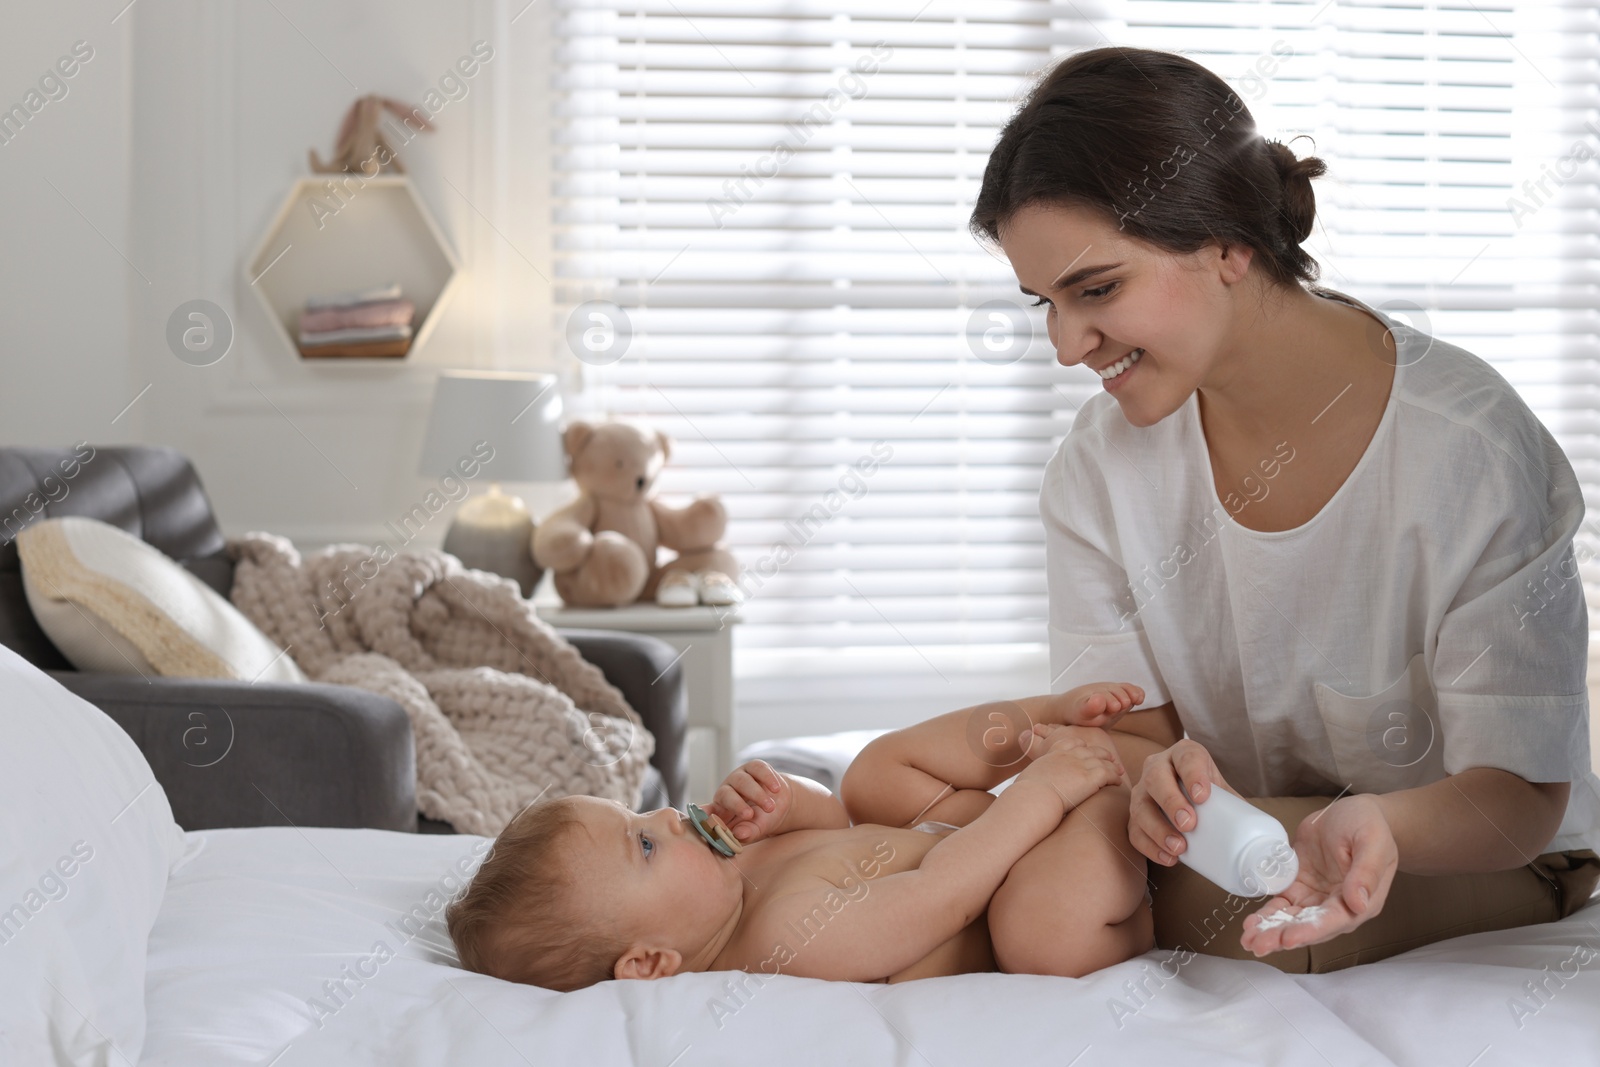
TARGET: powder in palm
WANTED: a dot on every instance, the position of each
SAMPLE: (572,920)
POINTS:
(1281,917)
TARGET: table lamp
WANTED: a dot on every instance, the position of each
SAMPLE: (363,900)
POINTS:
(518,414)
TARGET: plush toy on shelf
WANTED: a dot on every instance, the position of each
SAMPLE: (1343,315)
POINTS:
(601,548)
(362,147)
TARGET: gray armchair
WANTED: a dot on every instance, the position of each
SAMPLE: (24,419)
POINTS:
(242,754)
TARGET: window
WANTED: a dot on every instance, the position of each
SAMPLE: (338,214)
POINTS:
(767,213)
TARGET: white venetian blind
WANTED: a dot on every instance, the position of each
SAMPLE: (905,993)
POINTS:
(779,205)
(777,195)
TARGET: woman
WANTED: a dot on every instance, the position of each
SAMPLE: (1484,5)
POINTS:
(1335,554)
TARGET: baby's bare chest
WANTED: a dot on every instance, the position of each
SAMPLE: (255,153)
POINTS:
(816,863)
(858,854)
(819,873)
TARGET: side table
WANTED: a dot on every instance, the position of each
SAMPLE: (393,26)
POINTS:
(703,637)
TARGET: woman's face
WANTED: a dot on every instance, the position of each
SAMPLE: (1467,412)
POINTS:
(1177,310)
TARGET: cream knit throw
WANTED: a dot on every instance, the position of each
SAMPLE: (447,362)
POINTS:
(503,709)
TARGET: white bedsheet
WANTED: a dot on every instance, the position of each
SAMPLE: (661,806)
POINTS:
(257,921)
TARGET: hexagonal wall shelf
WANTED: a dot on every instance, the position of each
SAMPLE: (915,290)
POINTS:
(345,232)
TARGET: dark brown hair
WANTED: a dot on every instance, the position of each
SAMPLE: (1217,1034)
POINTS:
(1164,149)
(521,919)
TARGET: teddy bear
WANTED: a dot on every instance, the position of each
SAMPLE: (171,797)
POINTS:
(601,548)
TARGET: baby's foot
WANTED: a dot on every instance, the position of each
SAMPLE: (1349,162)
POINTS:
(1100,703)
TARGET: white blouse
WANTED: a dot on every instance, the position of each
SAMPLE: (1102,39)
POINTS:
(1428,619)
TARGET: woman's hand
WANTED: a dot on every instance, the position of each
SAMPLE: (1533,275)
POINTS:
(754,801)
(1158,803)
(1347,863)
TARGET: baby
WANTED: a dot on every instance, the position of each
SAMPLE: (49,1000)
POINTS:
(1040,879)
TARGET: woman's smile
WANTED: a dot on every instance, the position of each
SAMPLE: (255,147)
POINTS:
(1116,376)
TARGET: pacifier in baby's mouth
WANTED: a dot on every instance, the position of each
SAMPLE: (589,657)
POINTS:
(714,830)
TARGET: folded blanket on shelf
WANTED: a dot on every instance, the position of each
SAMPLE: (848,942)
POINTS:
(358,350)
(354,334)
(390,291)
(503,709)
(376,313)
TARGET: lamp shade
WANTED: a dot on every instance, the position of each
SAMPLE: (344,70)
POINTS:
(517,413)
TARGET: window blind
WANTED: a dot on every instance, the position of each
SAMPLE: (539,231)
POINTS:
(767,213)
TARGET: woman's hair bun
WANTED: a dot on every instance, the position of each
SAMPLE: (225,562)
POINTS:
(1105,130)
(1299,211)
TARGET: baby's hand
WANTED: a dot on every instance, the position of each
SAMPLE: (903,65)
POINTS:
(1099,703)
(754,801)
(1046,737)
(1073,768)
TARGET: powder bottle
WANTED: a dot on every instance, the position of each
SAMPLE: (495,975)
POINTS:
(1239,847)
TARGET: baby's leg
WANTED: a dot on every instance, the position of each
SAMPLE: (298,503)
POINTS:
(1076,902)
(880,788)
(940,769)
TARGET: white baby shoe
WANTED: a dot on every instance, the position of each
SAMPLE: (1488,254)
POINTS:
(678,589)
(718,590)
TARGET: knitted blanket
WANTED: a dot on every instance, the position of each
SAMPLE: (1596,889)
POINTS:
(504,711)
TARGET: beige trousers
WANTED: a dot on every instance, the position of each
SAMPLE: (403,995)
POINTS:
(1191,913)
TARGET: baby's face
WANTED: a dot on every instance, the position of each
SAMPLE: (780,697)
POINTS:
(652,873)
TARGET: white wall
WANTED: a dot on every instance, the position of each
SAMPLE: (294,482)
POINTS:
(177,142)
(227,101)
(67,266)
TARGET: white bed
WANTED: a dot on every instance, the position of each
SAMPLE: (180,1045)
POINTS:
(277,947)
(257,920)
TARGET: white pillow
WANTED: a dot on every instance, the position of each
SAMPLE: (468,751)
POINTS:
(86,843)
(113,603)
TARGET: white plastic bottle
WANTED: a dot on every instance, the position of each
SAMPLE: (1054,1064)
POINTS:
(1239,847)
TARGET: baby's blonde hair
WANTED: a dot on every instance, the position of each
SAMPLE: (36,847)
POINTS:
(520,920)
